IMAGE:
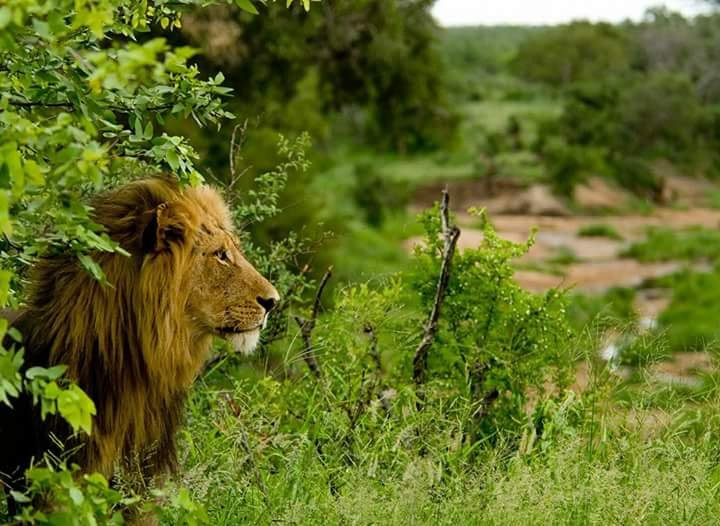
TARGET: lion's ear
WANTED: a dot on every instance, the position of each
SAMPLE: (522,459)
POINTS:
(165,228)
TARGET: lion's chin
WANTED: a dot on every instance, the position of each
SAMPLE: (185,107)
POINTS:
(245,342)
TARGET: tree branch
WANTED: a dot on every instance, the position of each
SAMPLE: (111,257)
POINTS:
(234,148)
(37,104)
(307,326)
(70,106)
(450,233)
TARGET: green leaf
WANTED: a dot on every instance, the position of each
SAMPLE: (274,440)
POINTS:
(32,170)
(52,391)
(138,128)
(77,408)
(15,334)
(172,159)
(76,496)
(42,28)
(5,276)
(247,5)
(92,267)
(5,224)
(5,16)
(51,373)
(10,379)
(20,497)
(148,133)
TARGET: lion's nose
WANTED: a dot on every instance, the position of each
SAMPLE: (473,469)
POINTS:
(267,303)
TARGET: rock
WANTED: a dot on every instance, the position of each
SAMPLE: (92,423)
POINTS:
(596,193)
(536,200)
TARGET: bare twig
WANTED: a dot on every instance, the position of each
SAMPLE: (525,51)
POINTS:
(374,353)
(318,295)
(450,233)
(277,330)
(235,146)
(34,104)
(307,326)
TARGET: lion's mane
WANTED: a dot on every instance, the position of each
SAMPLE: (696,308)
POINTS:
(127,344)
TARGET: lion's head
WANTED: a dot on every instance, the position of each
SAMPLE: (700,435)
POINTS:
(186,244)
(226,296)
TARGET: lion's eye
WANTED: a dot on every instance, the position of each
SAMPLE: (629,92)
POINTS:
(222,255)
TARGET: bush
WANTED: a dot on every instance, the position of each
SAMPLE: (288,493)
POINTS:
(600,230)
(689,321)
(569,165)
(666,244)
(659,115)
(622,123)
(376,195)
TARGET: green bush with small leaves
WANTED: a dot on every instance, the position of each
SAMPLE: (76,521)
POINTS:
(600,230)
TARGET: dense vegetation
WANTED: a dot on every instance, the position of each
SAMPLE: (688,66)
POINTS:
(388,396)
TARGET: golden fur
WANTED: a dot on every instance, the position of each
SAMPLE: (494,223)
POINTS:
(136,345)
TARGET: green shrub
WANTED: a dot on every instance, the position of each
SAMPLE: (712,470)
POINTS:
(690,321)
(498,340)
(666,244)
(569,165)
(613,308)
(600,230)
(635,174)
(376,195)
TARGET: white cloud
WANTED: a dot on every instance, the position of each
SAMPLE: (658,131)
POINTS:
(540,12)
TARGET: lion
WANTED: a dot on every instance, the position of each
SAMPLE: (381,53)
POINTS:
(135,344)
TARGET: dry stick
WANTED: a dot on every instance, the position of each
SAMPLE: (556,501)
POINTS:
(234,147)
(450,233)
(307,326)
(374,353)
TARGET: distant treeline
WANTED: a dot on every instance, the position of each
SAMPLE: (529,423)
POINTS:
(632,93)
(381,75)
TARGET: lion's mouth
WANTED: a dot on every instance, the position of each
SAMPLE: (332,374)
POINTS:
(237,330)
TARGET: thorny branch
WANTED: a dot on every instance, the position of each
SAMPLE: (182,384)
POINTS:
(450,233)
(307,326)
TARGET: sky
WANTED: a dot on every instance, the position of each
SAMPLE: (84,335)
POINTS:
(542,12)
